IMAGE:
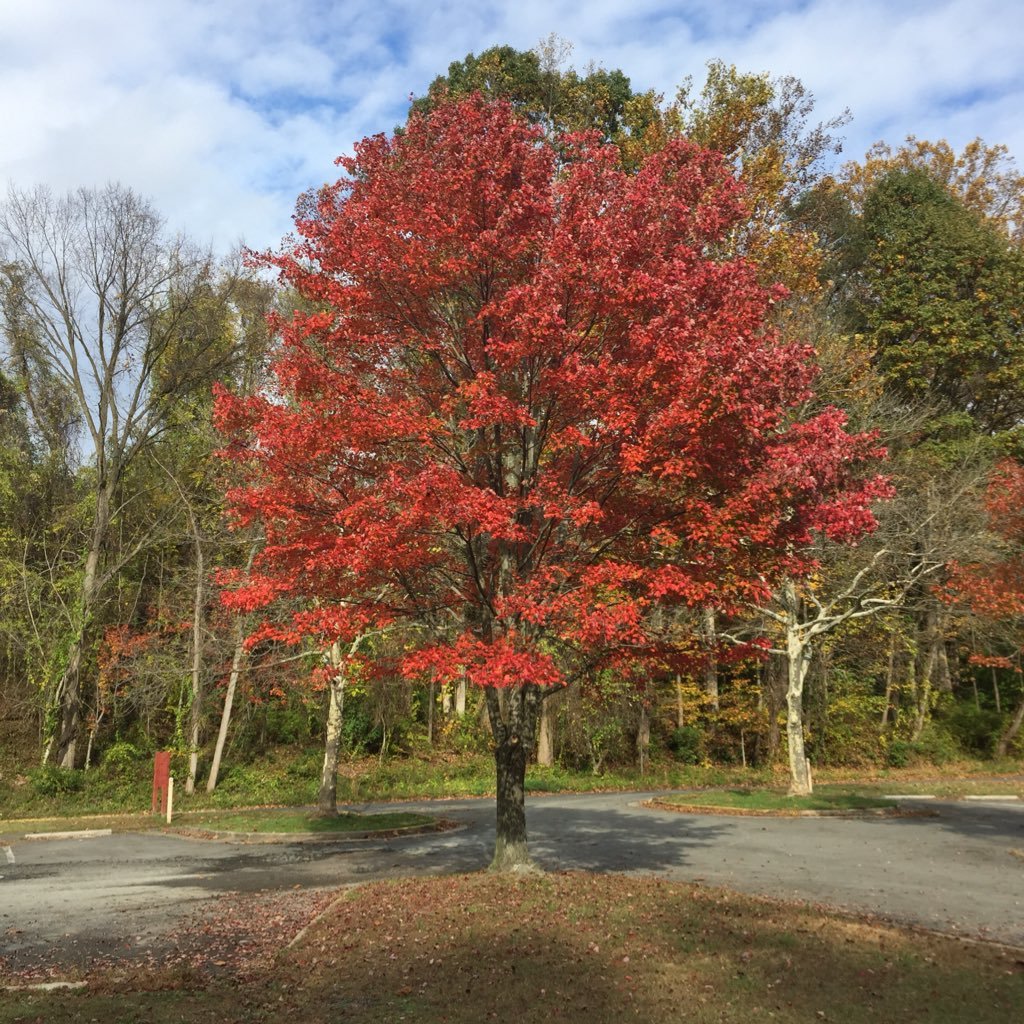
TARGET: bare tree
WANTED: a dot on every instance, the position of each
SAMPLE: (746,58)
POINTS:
(103,298)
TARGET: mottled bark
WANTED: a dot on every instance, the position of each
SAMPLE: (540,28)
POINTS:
(327,797)
(513,716)
(510,846)
(710,639)
(545,735)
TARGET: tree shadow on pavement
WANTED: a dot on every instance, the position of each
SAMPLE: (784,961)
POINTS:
(975,820)
(608,839)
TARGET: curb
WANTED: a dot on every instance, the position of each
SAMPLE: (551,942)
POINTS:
(45,986)
(83,833)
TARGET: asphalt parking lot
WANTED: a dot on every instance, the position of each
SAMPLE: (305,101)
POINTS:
(960,869)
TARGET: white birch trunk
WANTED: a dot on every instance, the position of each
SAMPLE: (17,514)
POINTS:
(798,657)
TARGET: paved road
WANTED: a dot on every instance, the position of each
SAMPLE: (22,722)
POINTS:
(956,872)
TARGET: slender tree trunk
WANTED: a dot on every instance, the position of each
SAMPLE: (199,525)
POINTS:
(1010,733)
(995,691)
(798,656)
(545,737)
(327,798)
(643,738)
(69,687)
(680,707)
(890,675)
(460,697)
(229,694)
(923,694)
(513,715)
(710,634)
(431,698)
(774,690)
(225,717)
(195,711)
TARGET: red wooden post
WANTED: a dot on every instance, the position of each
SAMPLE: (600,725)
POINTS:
(161,773)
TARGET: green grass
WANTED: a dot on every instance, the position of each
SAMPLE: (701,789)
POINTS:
(289,777)
(602,949)
(301,821)
(948,787)
(765,800)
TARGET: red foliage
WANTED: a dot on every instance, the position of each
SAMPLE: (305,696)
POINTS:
(995,588)
(533,401)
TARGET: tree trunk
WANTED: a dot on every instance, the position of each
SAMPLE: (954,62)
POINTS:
(545,739)
(1011,730)
(928,664)
(460,697)
(643,738)
(798,656)
(196,708)
(923,692)
(327,798)
(773,689)
(69,687)
(890,675)
(513,716)
(510,848)
(225,717)
(431,699)
(711,664)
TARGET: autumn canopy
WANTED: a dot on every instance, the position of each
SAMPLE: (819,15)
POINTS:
(530,405)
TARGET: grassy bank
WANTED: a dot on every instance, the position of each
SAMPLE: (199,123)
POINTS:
(567,947)
(285,777)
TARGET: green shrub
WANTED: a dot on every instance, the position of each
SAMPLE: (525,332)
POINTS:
(307,765)
(974,729)
(122,759)
(687,744)
(849,733)
(49,780)
(902,753)
(937,746)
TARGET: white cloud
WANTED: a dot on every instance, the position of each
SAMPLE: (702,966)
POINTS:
(224,111)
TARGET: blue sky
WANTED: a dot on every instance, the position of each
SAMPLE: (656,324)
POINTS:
(223,111)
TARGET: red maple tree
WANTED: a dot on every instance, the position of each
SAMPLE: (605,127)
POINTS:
(531,399)
(994,588)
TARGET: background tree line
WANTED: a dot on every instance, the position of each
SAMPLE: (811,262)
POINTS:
(904,270)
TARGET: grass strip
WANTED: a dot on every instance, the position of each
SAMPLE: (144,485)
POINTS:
(288,821)
(763,801)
